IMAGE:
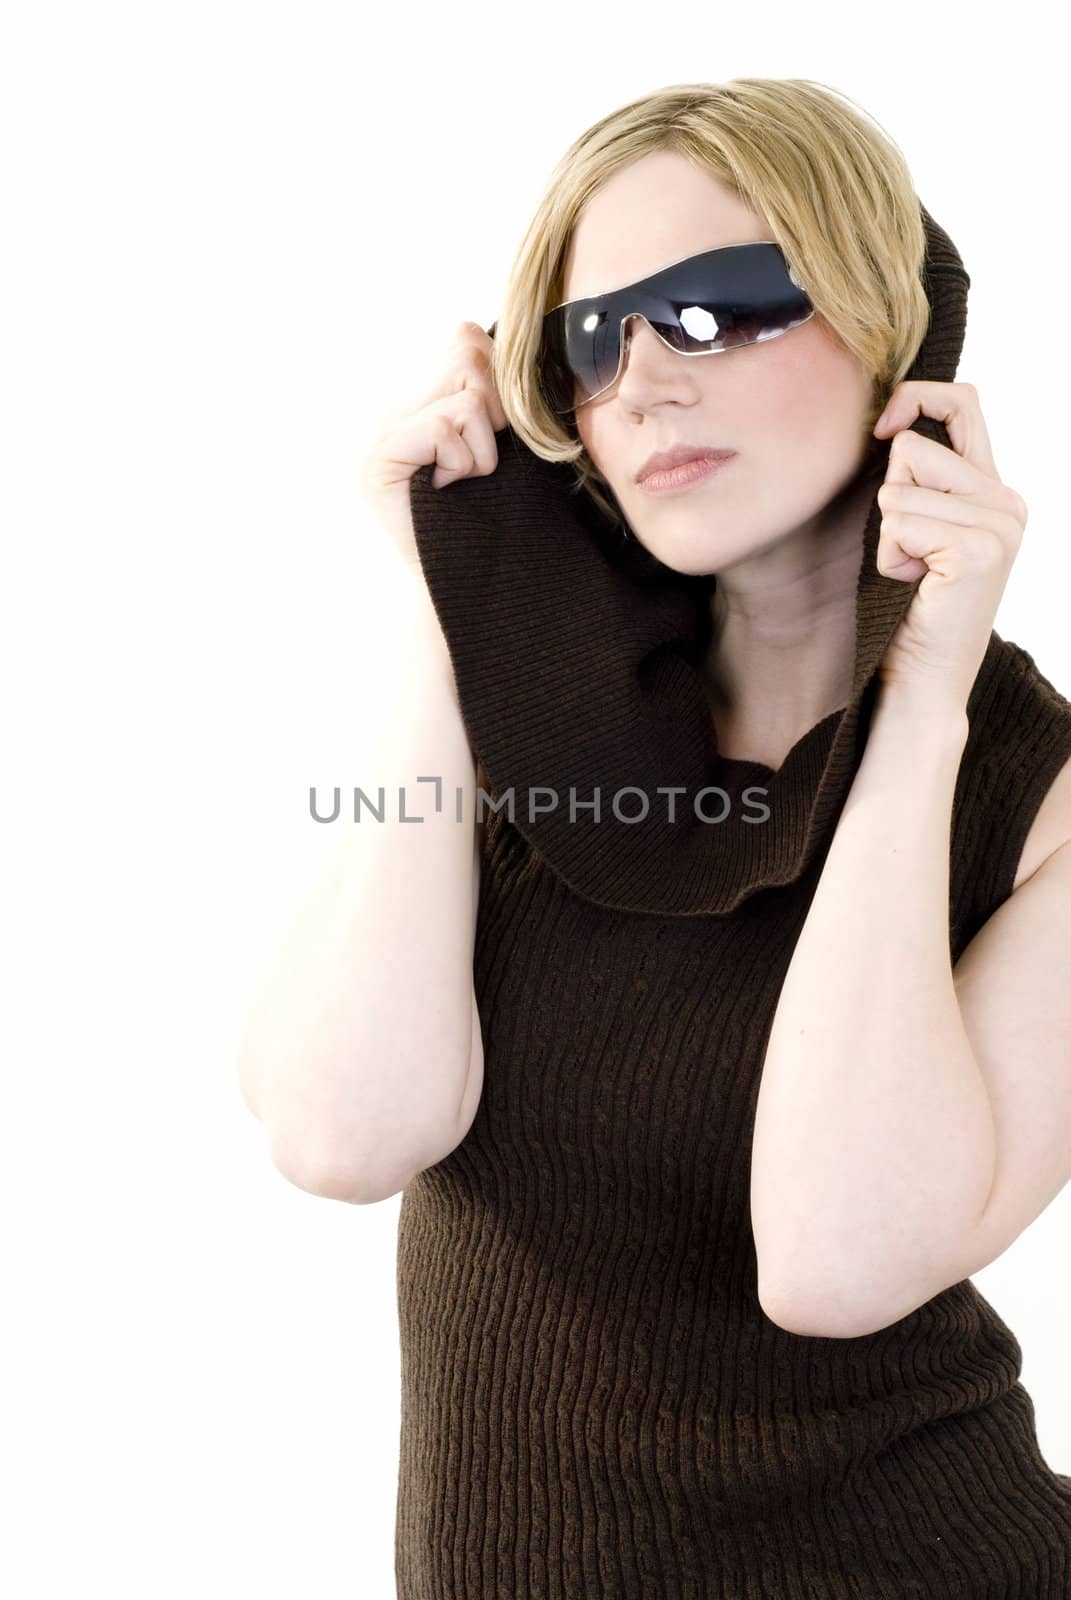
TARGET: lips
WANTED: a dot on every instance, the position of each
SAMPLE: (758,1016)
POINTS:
(662,460)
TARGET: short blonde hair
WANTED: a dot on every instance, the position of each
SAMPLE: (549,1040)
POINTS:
(834,189)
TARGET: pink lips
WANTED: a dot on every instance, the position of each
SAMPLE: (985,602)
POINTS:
(679,456)
(674,480)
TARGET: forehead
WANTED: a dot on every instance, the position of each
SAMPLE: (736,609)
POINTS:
(658,210)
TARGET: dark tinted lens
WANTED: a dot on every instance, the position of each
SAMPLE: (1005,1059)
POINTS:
(555,377)
(581,350)
(713,301)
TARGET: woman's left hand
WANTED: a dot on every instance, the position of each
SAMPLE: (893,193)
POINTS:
(945,514)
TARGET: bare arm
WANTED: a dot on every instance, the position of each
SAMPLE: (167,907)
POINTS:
(873,1147)
(361,1049)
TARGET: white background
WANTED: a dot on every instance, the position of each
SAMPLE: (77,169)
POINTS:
(234,237)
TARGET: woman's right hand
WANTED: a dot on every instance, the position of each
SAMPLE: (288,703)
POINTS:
(452,425)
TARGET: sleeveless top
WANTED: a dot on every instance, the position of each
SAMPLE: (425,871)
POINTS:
(594,1405)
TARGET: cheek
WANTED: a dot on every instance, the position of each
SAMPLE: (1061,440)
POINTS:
(794,383)
(588,428)
(814,387)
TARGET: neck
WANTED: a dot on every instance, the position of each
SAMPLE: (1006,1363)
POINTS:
(782,647)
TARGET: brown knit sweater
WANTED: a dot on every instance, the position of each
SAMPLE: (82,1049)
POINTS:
(594,1405)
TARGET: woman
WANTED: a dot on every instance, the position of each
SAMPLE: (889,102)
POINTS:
(773,894)
(686,1310)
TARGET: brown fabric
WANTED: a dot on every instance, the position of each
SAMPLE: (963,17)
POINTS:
(593,1401)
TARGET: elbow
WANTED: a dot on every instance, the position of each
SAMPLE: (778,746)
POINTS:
(813,1318)
(842,1312)
(328,1178)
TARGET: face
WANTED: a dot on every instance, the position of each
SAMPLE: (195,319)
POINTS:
(793,408)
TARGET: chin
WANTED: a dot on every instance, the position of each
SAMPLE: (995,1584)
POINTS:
(692,558)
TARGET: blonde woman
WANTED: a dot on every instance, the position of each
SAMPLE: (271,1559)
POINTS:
(741,1028)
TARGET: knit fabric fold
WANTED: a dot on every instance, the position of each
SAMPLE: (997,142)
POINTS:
(577,659)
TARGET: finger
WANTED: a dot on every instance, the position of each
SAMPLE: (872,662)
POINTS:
(467,413)
(930,544)
(467,366)
(956,405)
(915,459)
(458,443)
(418,442)
(898,499)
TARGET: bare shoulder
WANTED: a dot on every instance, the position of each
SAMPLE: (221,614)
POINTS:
(1050,829)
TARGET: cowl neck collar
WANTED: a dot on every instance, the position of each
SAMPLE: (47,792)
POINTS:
(578,656)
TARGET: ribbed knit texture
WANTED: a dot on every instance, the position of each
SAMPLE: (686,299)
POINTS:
(594,1405)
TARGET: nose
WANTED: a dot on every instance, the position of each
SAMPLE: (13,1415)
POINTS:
(634,324)
(637,334)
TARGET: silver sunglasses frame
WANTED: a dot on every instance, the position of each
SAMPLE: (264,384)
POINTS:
(624,336)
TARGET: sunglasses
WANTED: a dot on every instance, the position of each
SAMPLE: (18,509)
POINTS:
(699,306)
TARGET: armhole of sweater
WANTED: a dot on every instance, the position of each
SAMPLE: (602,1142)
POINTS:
(1040,748)
(480,819)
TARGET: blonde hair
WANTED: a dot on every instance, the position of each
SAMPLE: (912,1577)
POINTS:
(834,189)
